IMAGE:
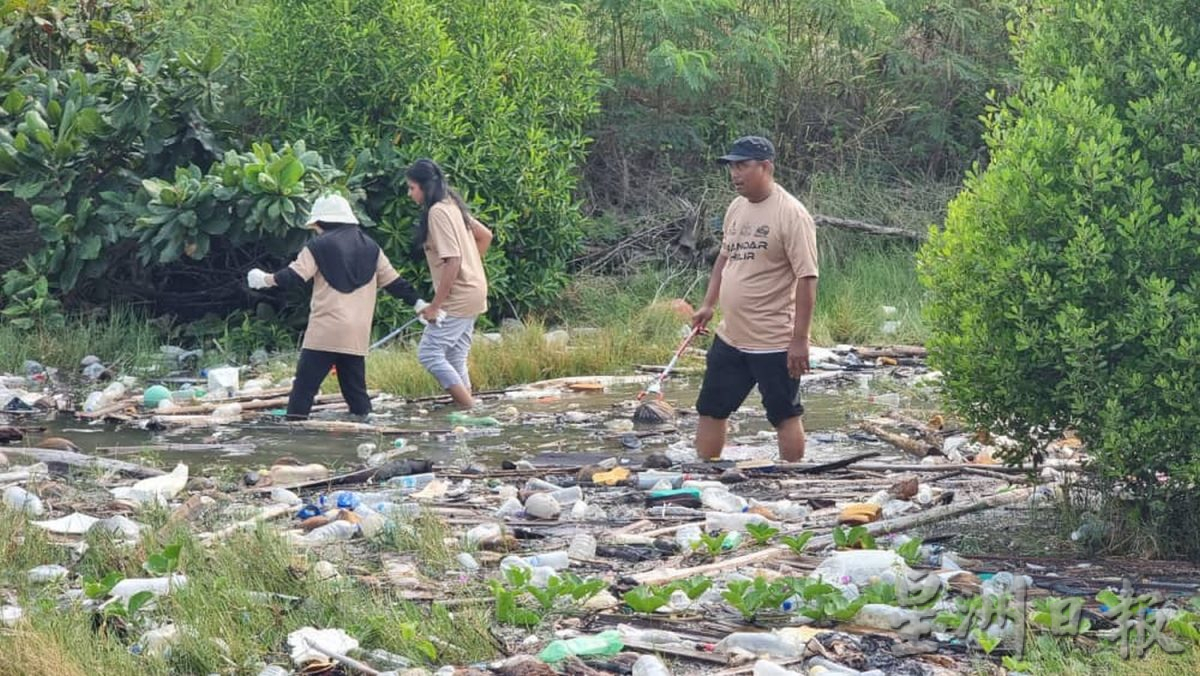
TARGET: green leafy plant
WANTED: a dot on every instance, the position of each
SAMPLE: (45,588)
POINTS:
(694,587)
(749,597)
(646,599)
(1077,236)
(761,532)
(797,542)
(712,543)
(1013,664)
(910,551)
(857,537)
(164,562)
(987,643)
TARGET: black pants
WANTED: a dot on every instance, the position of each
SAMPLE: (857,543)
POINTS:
(731,374)
(310,373)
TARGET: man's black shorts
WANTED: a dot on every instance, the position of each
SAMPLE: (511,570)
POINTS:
(731,374)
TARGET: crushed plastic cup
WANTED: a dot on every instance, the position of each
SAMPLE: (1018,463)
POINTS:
(583,546)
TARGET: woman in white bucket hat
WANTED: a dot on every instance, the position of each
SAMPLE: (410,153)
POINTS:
(346,268)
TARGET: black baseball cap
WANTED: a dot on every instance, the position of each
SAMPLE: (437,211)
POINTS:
(749,148)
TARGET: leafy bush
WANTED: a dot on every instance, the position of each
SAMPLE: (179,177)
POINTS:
(498,93)
(1063,288)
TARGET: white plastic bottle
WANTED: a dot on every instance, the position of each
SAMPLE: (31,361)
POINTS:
(758,643)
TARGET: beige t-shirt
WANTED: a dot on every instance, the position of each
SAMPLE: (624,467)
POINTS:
(340,322)
(449,237)
(770,245)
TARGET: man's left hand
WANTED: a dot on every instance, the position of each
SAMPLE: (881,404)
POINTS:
(797,357)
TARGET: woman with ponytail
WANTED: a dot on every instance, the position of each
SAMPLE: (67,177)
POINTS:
(453,243)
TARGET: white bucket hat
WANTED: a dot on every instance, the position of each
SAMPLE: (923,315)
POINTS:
(331,209)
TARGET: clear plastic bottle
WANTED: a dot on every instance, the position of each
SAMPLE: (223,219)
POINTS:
(332,532)
(568,496)
(536,484)
(285,497)
(758,643)
(510,507)
(721,500)
(650,478)
(468,562)
(555,560)
(724,521)
(411,483)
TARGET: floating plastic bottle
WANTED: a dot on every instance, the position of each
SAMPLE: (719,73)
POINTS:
(411,483)
(606,643)
(460,418)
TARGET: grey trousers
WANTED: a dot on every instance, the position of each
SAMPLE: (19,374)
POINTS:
(444,348)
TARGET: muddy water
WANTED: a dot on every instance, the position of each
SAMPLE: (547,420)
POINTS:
(571,428)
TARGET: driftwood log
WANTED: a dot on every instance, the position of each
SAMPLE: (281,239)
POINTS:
(72,459)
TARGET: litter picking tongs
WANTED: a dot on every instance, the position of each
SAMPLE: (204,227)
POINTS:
(655,387)
(395,333)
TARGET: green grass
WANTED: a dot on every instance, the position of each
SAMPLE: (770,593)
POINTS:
(1046,655)
(120,339)
(226,627)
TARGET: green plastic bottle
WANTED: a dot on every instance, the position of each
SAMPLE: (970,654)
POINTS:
(460,418)
(606,643)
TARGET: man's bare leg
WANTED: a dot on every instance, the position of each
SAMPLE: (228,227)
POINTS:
(791,440)
(461,396)
(710,438)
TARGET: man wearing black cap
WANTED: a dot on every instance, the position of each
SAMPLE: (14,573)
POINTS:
(765,280)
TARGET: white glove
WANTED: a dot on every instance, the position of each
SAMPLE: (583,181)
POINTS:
(421,305)
(257,279)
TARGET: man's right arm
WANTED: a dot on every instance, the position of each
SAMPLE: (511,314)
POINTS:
(705,313)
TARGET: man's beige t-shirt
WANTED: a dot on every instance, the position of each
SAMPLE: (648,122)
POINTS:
(770,245)
(340,322)
(449,237)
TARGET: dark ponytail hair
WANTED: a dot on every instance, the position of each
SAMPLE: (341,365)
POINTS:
(428,175)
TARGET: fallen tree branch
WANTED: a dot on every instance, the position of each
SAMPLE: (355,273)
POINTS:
(906,444)
(73,459)
(664,575)
(868,228)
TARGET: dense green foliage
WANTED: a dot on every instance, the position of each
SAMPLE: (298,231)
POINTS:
(146,181)
(894,86)
(1065,286)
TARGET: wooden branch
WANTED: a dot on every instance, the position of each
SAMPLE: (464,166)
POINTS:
(88,461)
(906,444)
(894,351)
(868,228)
(663,575)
